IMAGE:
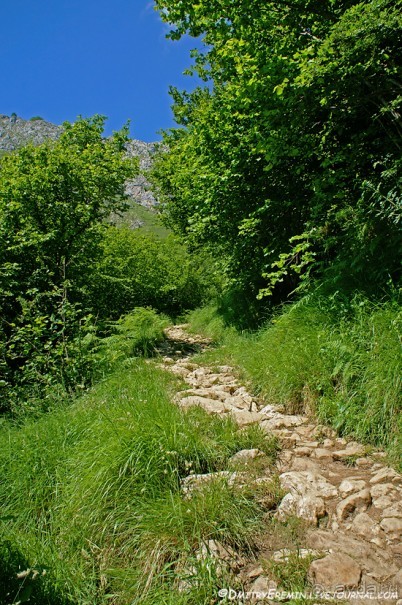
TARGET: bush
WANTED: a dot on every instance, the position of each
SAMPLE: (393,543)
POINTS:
(53,201)
(139,269)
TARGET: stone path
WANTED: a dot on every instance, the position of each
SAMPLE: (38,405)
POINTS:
(351,502)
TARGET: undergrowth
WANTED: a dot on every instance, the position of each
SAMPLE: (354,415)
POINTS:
(340,359)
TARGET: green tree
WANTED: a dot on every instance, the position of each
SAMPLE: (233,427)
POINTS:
(53,200)
(289,164)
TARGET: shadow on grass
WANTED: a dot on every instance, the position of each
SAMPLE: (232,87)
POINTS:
(21,583)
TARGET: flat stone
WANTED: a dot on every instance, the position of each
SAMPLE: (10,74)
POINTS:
(364,526)
(285,421)
(350,451)
(377,466)
(310,444)
(304,464)
(383,489)
(321,454)
(351,486)
(302,451)
(288,439)
(201,372)
(356,502)
(392,527)
(379,455)
(385,475)
(307,483)
(243,417)
(302,553)
(236,401)
(225,369)
(212,406)
(375,560)
(246,455)
(222,378)
(179,371)
(270,411)
(210,393)
(188,365)
(383,502)
(393,511)
(306,431)
(363,462)
(193,482)
(335,570)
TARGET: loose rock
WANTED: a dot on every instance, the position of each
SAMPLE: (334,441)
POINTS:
(359,501)
(335,570)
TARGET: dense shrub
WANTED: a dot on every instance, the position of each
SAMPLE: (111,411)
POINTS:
(138,269)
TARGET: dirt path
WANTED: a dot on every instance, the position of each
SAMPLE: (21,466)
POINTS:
(350,501)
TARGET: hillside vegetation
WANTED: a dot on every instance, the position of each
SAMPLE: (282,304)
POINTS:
(287,165)
(280,199)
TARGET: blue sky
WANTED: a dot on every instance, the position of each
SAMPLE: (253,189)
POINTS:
(64,58)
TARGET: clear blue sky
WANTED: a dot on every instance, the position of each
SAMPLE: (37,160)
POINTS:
(63,58)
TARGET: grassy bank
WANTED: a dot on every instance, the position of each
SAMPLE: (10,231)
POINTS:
(91,503)
(340,359)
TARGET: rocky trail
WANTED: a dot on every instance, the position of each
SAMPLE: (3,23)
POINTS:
(348,500)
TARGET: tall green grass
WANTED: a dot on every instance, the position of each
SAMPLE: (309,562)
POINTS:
(90,497)
(340,359)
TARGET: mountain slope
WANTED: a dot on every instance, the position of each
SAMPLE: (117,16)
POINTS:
(16,132)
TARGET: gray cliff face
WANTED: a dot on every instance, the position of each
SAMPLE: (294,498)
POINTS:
(138,189)
(16,132)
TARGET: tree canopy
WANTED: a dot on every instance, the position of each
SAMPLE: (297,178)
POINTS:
(53,199)
(288,162)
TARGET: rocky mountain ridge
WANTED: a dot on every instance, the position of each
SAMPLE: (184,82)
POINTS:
(16,132)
